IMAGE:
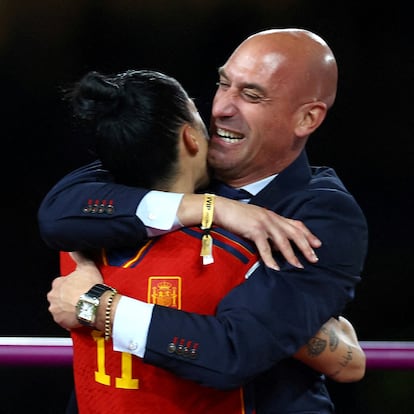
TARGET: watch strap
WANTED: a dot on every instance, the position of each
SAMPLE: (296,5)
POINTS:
(96,291)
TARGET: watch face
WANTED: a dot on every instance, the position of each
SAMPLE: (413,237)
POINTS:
(86,310)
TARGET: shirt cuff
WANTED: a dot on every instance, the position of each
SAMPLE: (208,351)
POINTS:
(131,324)
(158,211)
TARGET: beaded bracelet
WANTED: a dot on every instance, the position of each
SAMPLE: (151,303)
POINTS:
(206,223)
(108,316)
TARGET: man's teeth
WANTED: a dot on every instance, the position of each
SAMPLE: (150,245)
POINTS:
(228,136)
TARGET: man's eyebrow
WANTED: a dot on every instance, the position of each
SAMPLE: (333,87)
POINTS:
(252,86)
(222,72)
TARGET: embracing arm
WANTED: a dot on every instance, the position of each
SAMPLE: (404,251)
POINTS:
(87,210)
(268,230)
(273,313)
(270,316)
(335,351)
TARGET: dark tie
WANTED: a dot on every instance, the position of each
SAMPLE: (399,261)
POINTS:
(225,190)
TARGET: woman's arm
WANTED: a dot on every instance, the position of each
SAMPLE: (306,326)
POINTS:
(335,352)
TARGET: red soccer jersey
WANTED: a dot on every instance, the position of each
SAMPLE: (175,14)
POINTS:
(166,271)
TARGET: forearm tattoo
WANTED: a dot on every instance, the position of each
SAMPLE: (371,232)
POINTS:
(316,346)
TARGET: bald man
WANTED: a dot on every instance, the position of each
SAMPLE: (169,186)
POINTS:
(273,92)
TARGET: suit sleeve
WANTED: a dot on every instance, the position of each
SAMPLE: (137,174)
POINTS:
(71,215)
(273,313)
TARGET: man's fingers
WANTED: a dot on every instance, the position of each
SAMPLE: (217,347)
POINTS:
(311,238)
(306,249)
(283,245)
(303,238)
(265,252)
(269,231)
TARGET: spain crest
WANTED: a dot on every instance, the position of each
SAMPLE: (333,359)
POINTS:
(165,291)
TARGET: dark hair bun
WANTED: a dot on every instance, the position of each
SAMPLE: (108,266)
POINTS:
(95,96)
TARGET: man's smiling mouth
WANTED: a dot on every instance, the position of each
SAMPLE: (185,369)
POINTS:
(229,136)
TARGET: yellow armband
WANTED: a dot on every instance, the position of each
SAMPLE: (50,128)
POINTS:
(206,223)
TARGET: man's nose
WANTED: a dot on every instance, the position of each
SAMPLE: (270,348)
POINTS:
(224,104)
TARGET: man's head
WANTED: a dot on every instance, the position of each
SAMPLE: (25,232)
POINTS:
(148,131)
(274,91)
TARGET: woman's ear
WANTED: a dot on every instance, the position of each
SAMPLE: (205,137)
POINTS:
(189,139)
(310,116)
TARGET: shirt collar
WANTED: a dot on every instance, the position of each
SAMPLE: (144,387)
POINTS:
(254,188)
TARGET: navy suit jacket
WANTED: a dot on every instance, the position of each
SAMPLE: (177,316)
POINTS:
(260,323)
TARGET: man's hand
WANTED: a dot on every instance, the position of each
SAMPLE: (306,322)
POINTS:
(267,230)
(66,291)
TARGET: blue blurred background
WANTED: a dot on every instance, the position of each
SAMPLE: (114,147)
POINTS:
(367,138)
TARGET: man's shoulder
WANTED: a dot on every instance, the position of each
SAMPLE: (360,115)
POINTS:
(326,178)
(327,190)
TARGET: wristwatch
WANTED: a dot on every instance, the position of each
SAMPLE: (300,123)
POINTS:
(88,303)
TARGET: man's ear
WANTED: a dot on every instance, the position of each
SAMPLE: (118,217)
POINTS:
(189,139)
(310,116)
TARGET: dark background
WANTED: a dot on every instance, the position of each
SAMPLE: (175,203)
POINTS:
(367,138)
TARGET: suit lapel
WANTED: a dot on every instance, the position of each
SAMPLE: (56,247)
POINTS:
(293,178)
